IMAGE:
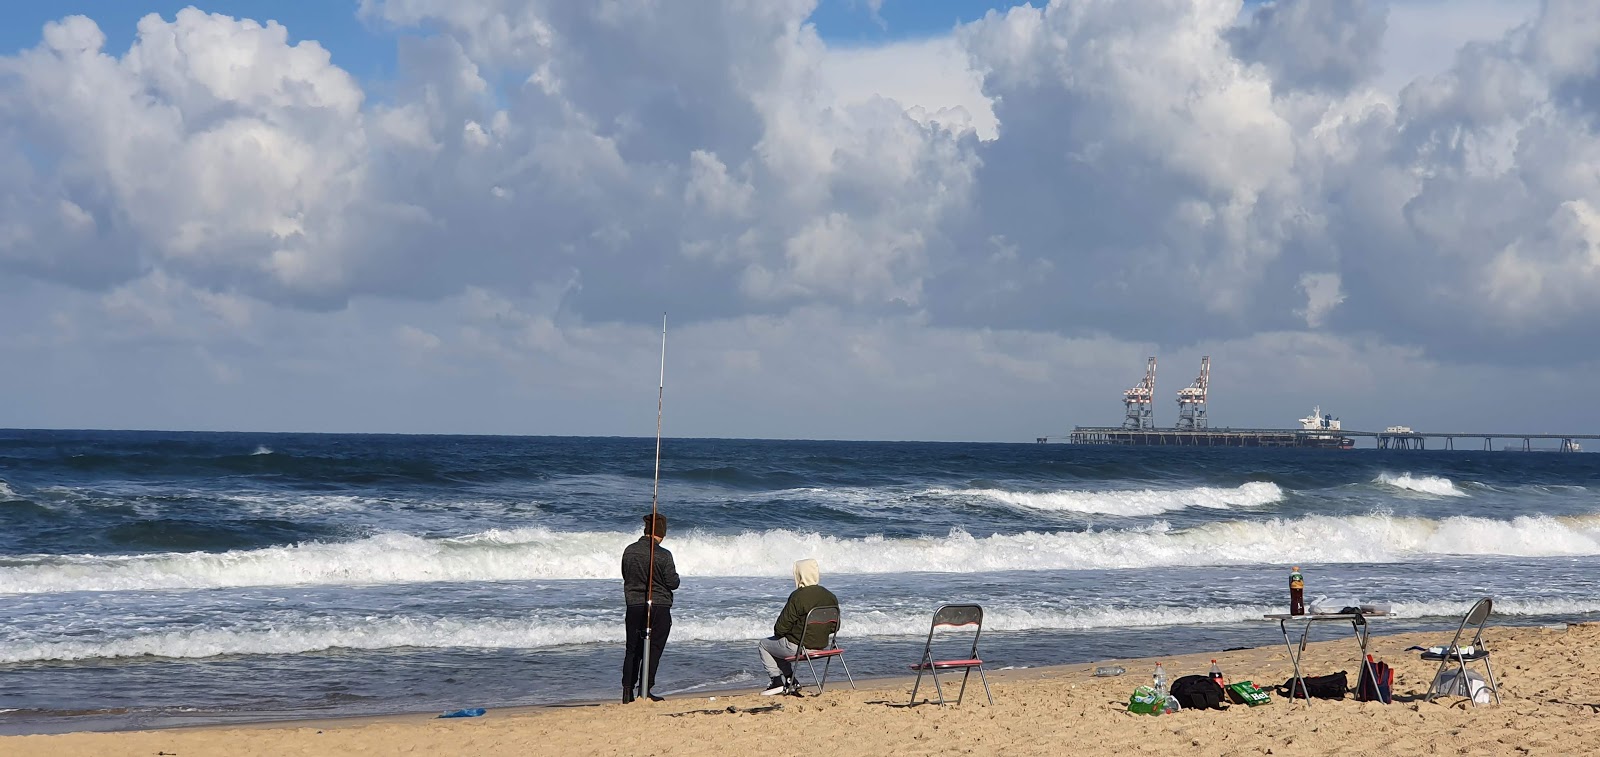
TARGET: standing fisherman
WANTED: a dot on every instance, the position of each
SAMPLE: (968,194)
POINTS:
(647,596)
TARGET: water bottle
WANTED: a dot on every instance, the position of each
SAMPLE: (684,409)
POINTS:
(1159,683)
(1109,670)
(1216,674)
(1297,592)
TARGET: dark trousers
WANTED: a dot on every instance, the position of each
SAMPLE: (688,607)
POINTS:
(660,626)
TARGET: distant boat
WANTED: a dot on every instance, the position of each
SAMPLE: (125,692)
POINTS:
(1327,430)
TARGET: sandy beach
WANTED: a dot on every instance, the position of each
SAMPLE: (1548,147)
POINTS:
(1546,675)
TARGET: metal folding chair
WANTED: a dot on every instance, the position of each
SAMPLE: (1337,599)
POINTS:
(828,617)
(953,617)
(1477,616)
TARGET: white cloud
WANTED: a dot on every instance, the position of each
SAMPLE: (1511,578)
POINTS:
(1047,190)
(1322,296)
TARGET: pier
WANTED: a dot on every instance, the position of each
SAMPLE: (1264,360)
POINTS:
(1203,437)
(1287,437)
(1318,430)
(1419,440)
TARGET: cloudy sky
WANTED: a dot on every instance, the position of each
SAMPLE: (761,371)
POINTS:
(879,219)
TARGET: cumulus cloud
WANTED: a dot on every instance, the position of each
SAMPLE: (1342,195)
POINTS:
(1111,176)
(1322,296)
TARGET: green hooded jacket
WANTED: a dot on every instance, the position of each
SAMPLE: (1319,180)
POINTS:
(808,595)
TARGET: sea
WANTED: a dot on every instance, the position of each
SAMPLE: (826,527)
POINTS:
(152,579)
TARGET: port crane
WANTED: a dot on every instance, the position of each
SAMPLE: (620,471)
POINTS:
(1140,401)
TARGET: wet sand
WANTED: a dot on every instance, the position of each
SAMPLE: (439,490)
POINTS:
(1551,705)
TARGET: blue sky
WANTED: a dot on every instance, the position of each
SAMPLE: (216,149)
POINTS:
(366,51)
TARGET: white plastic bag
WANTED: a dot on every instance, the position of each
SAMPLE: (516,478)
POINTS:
(1452,683)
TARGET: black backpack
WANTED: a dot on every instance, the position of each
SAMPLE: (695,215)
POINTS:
(1197,693)
(1330,686)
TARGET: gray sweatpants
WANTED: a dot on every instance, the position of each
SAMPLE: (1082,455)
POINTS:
(773,650)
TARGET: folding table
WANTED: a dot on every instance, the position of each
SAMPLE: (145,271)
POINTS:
(1358,623)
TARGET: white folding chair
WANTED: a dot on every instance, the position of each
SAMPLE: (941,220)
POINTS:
(1477,616)
(953,617)
(828,617)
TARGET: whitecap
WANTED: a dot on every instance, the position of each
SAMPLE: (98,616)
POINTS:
(1435,485)
(1127,502)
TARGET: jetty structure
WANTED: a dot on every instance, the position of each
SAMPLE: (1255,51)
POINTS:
(1318,430)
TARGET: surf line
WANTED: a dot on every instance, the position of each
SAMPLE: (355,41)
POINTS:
(655,496)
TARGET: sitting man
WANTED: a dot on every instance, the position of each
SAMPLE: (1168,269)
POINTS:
(790,632)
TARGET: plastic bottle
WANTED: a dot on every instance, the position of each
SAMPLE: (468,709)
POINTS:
(1110,670)
(1297,592)
(1159,683)
(1216,674)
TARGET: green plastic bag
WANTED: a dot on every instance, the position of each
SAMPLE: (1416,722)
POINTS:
(1246,693)
(1143,701)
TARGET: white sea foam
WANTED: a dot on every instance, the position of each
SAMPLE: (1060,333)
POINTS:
(298,637)
(1130,502)
(539,553)
(1435,485)
(6,493)
(262,449)
(501,633)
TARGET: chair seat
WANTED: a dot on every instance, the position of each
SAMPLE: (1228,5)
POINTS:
(814,654)
(1472,656)
(941,664)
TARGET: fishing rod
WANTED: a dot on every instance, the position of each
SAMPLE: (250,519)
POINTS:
(655,496)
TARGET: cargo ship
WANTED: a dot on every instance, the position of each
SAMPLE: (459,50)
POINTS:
(1317,430)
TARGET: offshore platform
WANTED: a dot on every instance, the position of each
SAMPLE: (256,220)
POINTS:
(1193,428)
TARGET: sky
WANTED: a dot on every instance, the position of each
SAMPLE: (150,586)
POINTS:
(864,219)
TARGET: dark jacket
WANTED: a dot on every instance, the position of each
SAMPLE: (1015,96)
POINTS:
(792,621)
(636,572)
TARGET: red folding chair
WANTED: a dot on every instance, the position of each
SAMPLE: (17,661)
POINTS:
(953,617)
(828,617)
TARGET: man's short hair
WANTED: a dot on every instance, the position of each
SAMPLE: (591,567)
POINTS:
(655,525)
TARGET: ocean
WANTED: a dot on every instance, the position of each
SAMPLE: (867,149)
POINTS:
(154,578)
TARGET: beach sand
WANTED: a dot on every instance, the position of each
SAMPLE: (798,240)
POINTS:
(1547,678)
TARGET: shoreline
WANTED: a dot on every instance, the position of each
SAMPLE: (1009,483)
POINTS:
(1544,676)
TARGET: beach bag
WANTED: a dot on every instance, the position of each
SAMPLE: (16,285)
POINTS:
(1330,686)
(1379,690)
(1197,693)
(1143,701)
(1246,693)
(1451,683)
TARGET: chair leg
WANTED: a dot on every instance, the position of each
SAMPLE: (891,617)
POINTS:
(1465,681)
(964,677)
(985,681)
(932,671)
(918,682)
(1432,691)
(1493,686)
(825,665)
(847,671)
(814,679)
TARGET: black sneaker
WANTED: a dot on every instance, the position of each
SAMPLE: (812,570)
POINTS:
(627,696)
(792,687)
(654,698)
(775,687)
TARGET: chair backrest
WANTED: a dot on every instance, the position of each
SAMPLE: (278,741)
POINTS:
(955,616)
(1477,616)
(828,616)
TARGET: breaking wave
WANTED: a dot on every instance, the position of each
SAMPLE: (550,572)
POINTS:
(1130,502)
(1435,485)
(539,553)
(503,633)
(372,633)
